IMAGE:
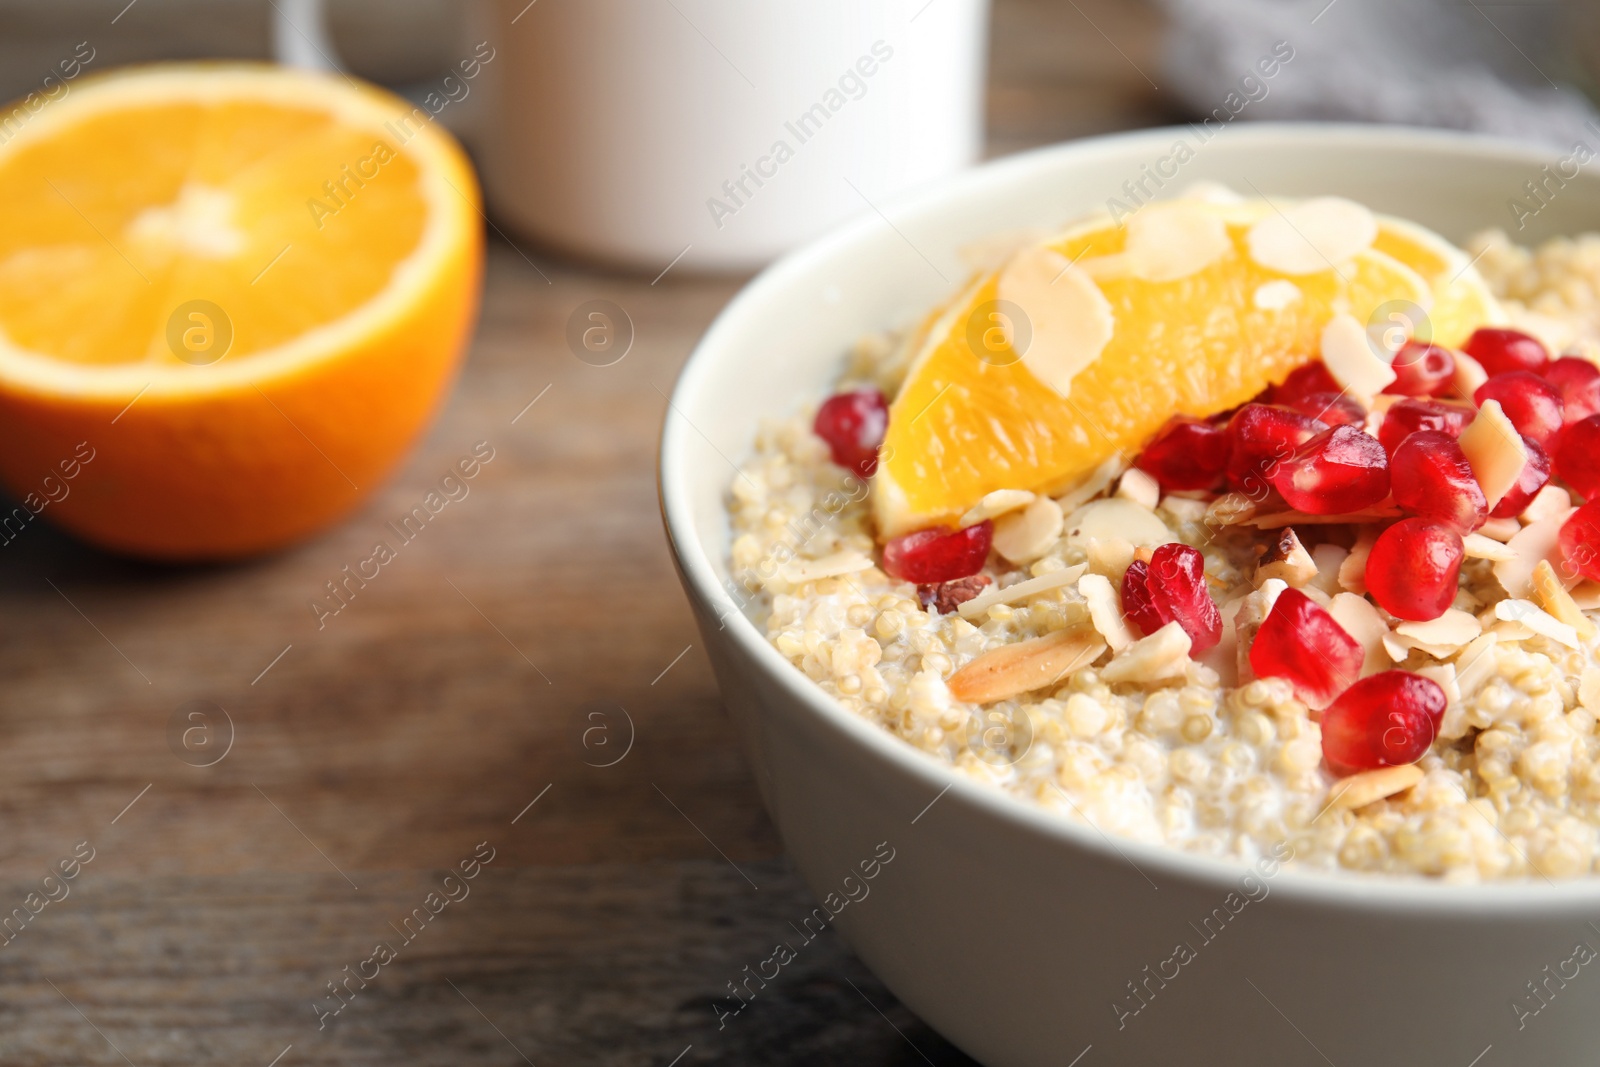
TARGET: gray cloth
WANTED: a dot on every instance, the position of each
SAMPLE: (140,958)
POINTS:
(1497,68)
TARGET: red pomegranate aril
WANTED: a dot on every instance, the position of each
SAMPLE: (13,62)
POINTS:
(1335,409)
(853,424)
(1432,479)
(1186,454)
(1413,569)
(1300,642)
(1501,350)
(1387,720)
(1579,382)
(1338,471)
(1172,588)
(940,554)
(1580,543)
(1421,369)
(1260,436)
(1406,417)
(1535,473)
(1138,603)
(1302,382)
(1532,404)
(1578,456)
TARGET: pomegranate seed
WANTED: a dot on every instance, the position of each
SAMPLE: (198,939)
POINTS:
(1422,369)
(1532,404)
(1339,470)
(1580,542)
(1335,409)
(1301,642)
(1172,588)
(1501,350)
(853,424)
(1387,720)
(1534,474)
(1413,568)
(1186,454)
(1578,456)
(1406,417)
(1433,480)
(938,555)
(1302,382)
(1579,382)
(1138,604)
(1260,437)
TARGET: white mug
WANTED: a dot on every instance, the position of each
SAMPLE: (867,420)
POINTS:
(718,133)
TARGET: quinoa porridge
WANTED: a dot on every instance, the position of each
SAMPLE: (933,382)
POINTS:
(1343,603)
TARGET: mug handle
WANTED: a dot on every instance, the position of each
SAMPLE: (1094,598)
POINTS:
(300,36)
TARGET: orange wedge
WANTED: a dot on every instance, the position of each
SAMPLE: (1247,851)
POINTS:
(243,290)
(1109,335)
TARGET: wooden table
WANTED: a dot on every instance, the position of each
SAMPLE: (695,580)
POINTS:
(451,708)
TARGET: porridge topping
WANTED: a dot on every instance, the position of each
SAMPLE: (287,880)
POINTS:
(1218,571)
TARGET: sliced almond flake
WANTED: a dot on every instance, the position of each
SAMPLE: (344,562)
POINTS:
(1361,620)
(1092,485)
(1555,599)
(810,570)
(1511,631)
(1174,239)
(1538,541)
(1368,787)
(1475,664)
(1024,666)
(1023,536)
(1550,500)
(979,605)
(1494,450)
(1230,509)
(1105,519)
(1271,590)
(1275,295)
(1589,690)
(1301,518)
(1396,646)
(995,504)
(1109,557)
(1140,488)
(1312,236)
(1527,613)
(1328,557)
(1287,560)
(1348,353)
(1470,375)
(1184,509)
(1444,674)
(1452,629)
(1477,546)
(1163,654)
(1069,319)
(1501,530)
(1105,610)
(1353,571)
(1206,191)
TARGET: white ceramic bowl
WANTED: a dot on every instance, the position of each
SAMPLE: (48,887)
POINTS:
(1014,932)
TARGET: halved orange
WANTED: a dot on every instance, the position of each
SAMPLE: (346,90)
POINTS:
(243,289)
(973,416)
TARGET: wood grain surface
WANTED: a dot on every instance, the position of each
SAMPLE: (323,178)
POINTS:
(488,667)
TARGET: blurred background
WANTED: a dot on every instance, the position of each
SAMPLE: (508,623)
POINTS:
(525,682)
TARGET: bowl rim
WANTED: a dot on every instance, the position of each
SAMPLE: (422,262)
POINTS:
(1349,891)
